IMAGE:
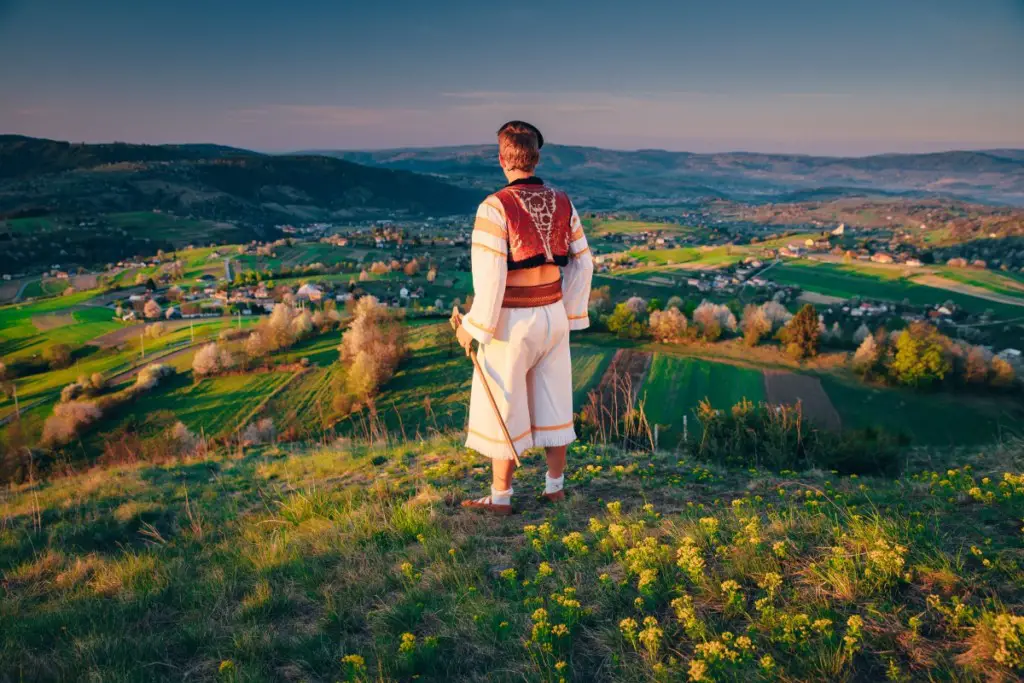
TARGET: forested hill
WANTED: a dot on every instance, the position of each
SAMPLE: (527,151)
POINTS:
(209,181)
(637,177)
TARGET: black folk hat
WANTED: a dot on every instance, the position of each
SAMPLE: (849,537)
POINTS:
(524,124)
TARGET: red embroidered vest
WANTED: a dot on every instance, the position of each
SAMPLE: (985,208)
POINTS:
(538,221)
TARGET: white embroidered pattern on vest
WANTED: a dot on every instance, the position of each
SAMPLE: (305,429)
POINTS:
(540,204)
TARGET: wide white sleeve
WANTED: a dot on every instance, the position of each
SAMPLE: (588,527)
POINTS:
(576,277)
(489,254)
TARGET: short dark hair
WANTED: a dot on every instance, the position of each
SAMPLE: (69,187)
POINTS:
(519,144)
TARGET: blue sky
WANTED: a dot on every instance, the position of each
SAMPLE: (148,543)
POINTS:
(822,77)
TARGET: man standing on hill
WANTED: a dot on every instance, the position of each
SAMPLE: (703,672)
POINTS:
(531,283)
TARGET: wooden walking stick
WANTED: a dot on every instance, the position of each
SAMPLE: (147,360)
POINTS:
(456,321)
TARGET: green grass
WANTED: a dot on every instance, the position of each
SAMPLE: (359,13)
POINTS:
(430,390)
(215,405)
(1007,284)
(31,225)
(180,231)
(927,419)
(275,565)
(22,338)
(675,385)
(589,364)
(846,282)
(688,256)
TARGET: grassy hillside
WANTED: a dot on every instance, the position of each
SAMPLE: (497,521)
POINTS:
(357,564)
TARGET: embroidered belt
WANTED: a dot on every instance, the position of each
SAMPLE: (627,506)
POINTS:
(532,297)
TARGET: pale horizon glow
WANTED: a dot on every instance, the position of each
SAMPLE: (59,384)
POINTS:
(838,79)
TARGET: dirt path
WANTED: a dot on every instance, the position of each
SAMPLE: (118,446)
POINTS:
(787,388)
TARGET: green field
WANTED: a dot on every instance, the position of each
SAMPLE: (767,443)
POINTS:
(675,385)
(846,282)
(21,337)
(48,287)
(216,405)
(588,367)
(1007,284)
(927,419)
(177,230)
(691,257)
(32,225)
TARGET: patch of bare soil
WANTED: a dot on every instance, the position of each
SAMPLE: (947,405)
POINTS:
(85,281)
(9,289)
(820,299)
(788,388)
(620,384)
(51,321)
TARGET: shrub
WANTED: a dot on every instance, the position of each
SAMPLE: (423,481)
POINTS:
(57,356)
(867,358)
(152,309)
(920,358)
(301,325)
(802,334)
(713,319)
(152,375)
(754,324)
(68,421)
(211,359)
(372,346)
(636,305)
(186,442)
(623,323)
(70,392)
(600,301)
(862,333)
(668,325)
(779,437)
(259,432)
(256,345)
(1003,374)
(156,330)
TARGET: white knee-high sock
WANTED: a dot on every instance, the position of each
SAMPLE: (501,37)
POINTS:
(553,484)
(501,497)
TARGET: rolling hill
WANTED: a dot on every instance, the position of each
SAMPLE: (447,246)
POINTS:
(627,179)
(38,177)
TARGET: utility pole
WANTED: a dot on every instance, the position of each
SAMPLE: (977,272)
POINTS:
(17,408)
(192,331)
(142,338)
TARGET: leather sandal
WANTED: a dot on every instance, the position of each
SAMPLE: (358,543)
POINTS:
(485,505)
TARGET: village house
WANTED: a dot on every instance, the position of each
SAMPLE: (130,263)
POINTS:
(309,292)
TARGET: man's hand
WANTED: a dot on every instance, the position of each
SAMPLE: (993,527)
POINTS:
(465,339)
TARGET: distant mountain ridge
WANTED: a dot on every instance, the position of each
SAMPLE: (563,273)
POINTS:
(661,176)
(210,181)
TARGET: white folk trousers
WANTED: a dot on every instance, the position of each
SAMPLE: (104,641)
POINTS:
(529,371)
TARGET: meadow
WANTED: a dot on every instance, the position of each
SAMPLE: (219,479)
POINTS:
(675,385)
(358,565)
(689,257)
(847,281)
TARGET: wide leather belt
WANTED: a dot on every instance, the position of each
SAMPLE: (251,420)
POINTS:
(532,297)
